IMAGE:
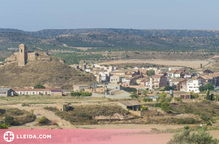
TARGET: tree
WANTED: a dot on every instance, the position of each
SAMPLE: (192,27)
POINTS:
(167,88)
(178,99)
(39,86)
(209,96)
(147,99)
(194,95)
(145,92)
(165,107)
(134,95)
(201,137)
(207,87)
(150,72)
(163,95)
(136,83)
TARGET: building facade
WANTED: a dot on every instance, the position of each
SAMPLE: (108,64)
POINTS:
(5,92)
(193,85)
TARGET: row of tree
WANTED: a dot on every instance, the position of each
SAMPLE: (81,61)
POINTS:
(81,94)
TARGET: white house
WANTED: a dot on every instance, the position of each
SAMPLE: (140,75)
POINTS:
(193,85)
(103,76)
(187,76)
(87,70)
(114,79)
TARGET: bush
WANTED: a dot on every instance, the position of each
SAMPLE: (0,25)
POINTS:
(167,88)
(128,89)
(147,99)
(143,108)
(165,107)
(25,104)
(9,120)
(3,126)
(194,95)
(178,99)
(65,108)
(15,111)
(81,94)
(42,120)
(157,105)
(195,138)
(150,72)
(134,95)
(209,87)
(39,86)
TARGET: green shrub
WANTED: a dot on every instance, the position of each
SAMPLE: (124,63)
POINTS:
(9,120)
(15,111)
(147,99)
(65,108)
(143,108)
(3,126)
(157,105)
(42,120)
(165,107)
(39,86)
(185,137)
(25,104)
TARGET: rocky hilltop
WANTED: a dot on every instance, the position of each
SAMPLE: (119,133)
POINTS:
(49,71)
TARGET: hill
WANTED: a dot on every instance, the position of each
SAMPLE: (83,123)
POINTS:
(112,39)
(50,73)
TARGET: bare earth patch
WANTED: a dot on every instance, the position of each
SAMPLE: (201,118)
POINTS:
(40,111)
(193,64)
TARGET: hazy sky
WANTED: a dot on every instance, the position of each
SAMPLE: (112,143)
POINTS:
(35,15)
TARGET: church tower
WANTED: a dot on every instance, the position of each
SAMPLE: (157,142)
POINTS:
(22,55)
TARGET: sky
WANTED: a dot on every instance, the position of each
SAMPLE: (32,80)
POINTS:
(34,15)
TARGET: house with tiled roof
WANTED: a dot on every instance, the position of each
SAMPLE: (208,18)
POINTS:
(171,73)
(182,85)
(158,81)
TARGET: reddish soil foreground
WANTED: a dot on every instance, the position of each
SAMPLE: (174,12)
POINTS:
(81,136)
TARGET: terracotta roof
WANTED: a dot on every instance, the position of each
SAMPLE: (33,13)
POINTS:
(157,76)
(178,72)
(31,89)
(172,71)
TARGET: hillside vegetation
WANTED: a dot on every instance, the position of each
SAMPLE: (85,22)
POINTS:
(112,39)
(53,74)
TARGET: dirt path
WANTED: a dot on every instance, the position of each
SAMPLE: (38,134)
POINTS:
(40,111)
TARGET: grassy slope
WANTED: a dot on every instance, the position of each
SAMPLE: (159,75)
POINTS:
(54,74)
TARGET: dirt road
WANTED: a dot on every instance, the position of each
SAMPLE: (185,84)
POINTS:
(40,111)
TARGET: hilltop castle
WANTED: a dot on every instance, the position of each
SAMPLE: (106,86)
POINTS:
(24,56)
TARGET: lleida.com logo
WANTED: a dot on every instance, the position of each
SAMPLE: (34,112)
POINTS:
(8,136)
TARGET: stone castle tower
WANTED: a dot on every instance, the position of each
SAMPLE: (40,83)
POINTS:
(22,55)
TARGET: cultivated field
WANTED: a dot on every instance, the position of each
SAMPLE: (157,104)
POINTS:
(193,64)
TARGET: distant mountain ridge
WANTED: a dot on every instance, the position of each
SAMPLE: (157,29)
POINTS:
(139,32)
(111,39)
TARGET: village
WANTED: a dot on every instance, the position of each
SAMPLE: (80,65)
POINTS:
(128,95)
(121,83)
